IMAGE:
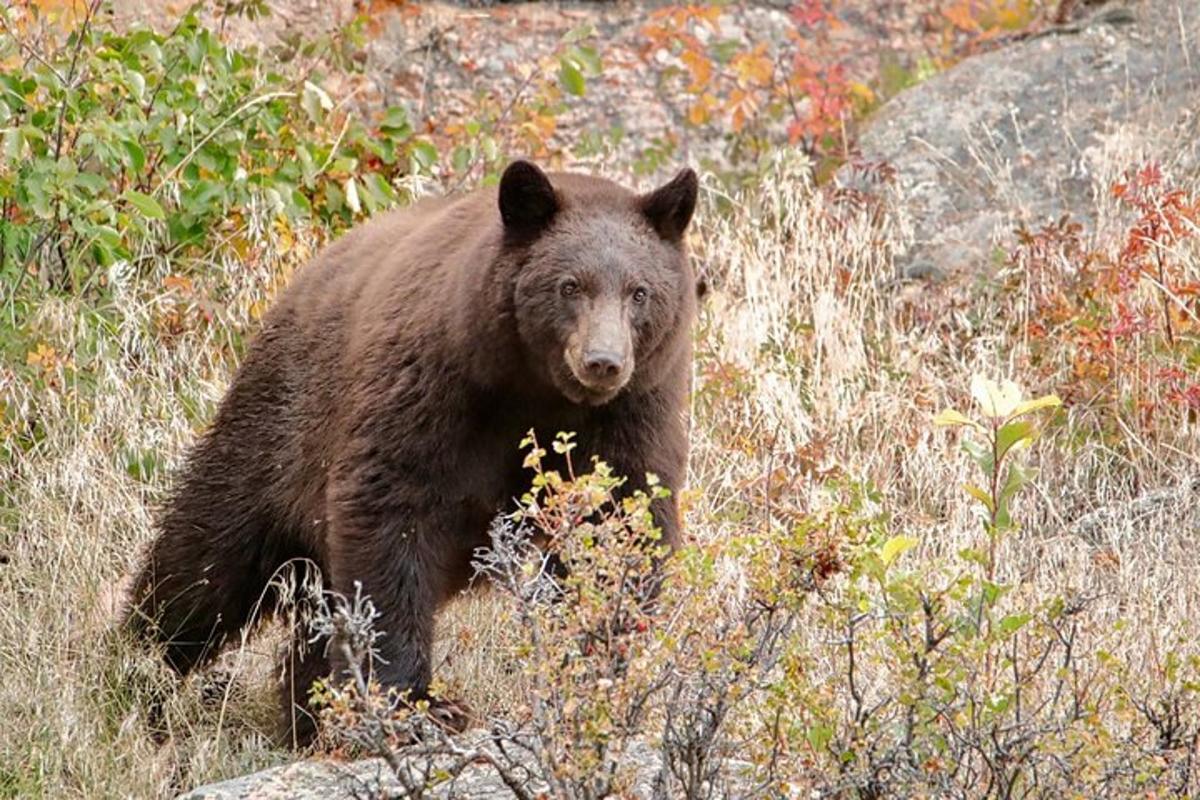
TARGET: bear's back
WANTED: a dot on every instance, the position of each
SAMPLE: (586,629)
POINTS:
(402,252)
(407,263)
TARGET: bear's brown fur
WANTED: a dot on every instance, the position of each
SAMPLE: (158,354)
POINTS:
(373,427)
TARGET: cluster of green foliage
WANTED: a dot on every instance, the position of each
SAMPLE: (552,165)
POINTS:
(114,142)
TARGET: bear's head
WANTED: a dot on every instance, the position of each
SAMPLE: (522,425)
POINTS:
(605,294)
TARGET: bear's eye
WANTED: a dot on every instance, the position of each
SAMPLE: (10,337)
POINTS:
(640,294)
(569,287)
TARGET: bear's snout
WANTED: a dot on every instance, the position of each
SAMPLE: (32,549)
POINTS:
(600,352)
(603,366)
(599,372)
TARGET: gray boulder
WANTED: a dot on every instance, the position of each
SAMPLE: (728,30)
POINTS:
(331,780)
(375,778)
(1020,134)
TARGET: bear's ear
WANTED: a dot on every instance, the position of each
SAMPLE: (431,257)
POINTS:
(669,208)
(527,200)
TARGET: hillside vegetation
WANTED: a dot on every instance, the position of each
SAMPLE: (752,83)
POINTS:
(941,534)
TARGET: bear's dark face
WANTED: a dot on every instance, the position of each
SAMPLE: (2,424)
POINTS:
(605,279)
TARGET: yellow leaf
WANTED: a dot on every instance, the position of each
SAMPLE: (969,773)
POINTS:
(257,309)
(181,283)
(996,400)
(43,356)
(862,92)
(980,495)
(894,547)
(1049,401)
(961,17)
(739,119)
(700,67)
(754,68)
(710,16)
(951,417)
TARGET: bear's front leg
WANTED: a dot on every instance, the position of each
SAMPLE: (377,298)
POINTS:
(647,437)
(396,551)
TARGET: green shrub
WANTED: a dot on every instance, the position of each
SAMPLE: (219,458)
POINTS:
(120,145)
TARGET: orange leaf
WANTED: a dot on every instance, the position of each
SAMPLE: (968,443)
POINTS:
(961,16)
(754,68)
(699,66)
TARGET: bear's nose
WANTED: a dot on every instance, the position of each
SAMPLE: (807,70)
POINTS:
(602,365)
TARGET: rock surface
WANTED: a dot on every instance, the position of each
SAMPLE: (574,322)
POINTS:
(373,778)
(1028,132)
(328,780)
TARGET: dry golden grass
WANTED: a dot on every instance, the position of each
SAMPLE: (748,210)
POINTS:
(837,370)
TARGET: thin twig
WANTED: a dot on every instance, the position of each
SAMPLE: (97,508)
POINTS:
(500,120)
(80,35)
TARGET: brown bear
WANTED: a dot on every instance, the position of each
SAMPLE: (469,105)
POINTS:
(372,429)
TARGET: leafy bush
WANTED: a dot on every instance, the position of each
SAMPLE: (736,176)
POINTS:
(757,97)
(120,145)
(947,682)
(1123,320)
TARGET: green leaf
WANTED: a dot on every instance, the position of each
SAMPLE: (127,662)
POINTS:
(587,58)
(992,592)
(1013,622)
(973,555)
(395,122)
(579,33)
(460,159)
(724,50)
(106,244)
(137,156)
(571,78)
(1003,520)
(315,101)
(92,182)
(108,235)
(12,146)
(1016,479)
(1012,435)
(979,454)
(999,703)
(894,547)
(819,736)
(300,200)
(425,154)
(137,84)
(335,200)
(144,203)
(489,148)
(378,193)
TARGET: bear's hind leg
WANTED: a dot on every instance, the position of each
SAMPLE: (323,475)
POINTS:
(200,586)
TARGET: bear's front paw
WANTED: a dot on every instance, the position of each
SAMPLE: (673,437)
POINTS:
(449,715)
